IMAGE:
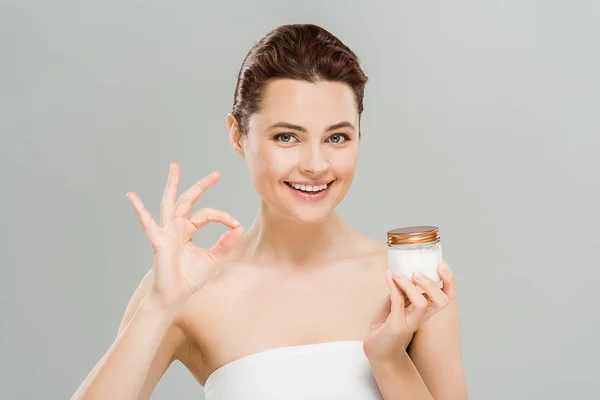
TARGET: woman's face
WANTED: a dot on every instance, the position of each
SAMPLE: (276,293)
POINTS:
(302,147)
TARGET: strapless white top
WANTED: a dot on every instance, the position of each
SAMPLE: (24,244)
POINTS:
(331,370)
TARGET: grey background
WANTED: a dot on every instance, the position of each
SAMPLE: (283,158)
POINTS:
(480,117)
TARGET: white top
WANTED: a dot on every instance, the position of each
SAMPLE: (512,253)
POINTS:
(331,370)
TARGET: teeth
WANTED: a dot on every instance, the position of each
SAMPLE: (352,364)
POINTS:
(307,188)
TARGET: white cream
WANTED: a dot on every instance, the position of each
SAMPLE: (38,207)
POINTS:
(415,249)
(409,259)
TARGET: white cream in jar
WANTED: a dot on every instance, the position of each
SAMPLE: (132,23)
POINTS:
(415,249)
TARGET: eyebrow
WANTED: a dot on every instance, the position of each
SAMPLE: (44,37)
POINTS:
(286,125)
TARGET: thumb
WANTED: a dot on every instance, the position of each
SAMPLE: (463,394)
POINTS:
(226,242)
(383,311)
(397,311)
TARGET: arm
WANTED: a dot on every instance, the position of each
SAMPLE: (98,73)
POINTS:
(432,366)
(436,353)
(146,344)
(150,337)
(398,379)
(428,366)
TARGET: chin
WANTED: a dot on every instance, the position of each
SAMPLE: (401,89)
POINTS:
(309,216)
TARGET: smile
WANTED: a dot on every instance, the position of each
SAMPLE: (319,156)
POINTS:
(309,188)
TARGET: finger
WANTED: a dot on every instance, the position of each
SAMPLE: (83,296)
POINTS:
(418,301)
(397,310)
(448,279)
(186,201)
(207,214)
(148,224)
(226,242)
(432,289)
(167,205)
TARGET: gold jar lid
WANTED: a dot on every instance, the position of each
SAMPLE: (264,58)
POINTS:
(413,235)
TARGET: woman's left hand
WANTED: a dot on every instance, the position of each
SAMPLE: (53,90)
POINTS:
(405,310)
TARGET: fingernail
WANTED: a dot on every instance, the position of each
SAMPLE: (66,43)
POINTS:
(446,269)
(418,276)
(236,223)
(388,274)
(399,275)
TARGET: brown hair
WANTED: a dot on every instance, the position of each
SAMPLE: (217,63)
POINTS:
(304,52)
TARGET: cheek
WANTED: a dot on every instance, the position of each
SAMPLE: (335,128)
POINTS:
(270,162)
(344,163)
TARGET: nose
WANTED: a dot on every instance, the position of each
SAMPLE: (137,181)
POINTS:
(314,161)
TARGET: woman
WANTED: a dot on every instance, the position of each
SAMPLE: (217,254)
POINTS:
(300,305)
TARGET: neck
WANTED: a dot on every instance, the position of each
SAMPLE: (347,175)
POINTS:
(276,239)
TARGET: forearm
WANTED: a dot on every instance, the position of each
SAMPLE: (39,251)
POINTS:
(399,379)
(122,371)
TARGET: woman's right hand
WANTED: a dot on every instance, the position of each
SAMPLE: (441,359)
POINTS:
(179,268)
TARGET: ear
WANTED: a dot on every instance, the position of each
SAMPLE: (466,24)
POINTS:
(235,135)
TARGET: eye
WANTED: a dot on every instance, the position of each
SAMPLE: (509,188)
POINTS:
(338,138)
(284,137)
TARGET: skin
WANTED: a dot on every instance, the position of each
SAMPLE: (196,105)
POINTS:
(298,258)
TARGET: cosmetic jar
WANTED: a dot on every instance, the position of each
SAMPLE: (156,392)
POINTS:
(415,249)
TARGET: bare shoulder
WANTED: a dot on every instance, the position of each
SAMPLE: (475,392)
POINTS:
(215,317)
(370,249)
(371,256)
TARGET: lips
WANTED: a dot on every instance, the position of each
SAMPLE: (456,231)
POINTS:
(311,196)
